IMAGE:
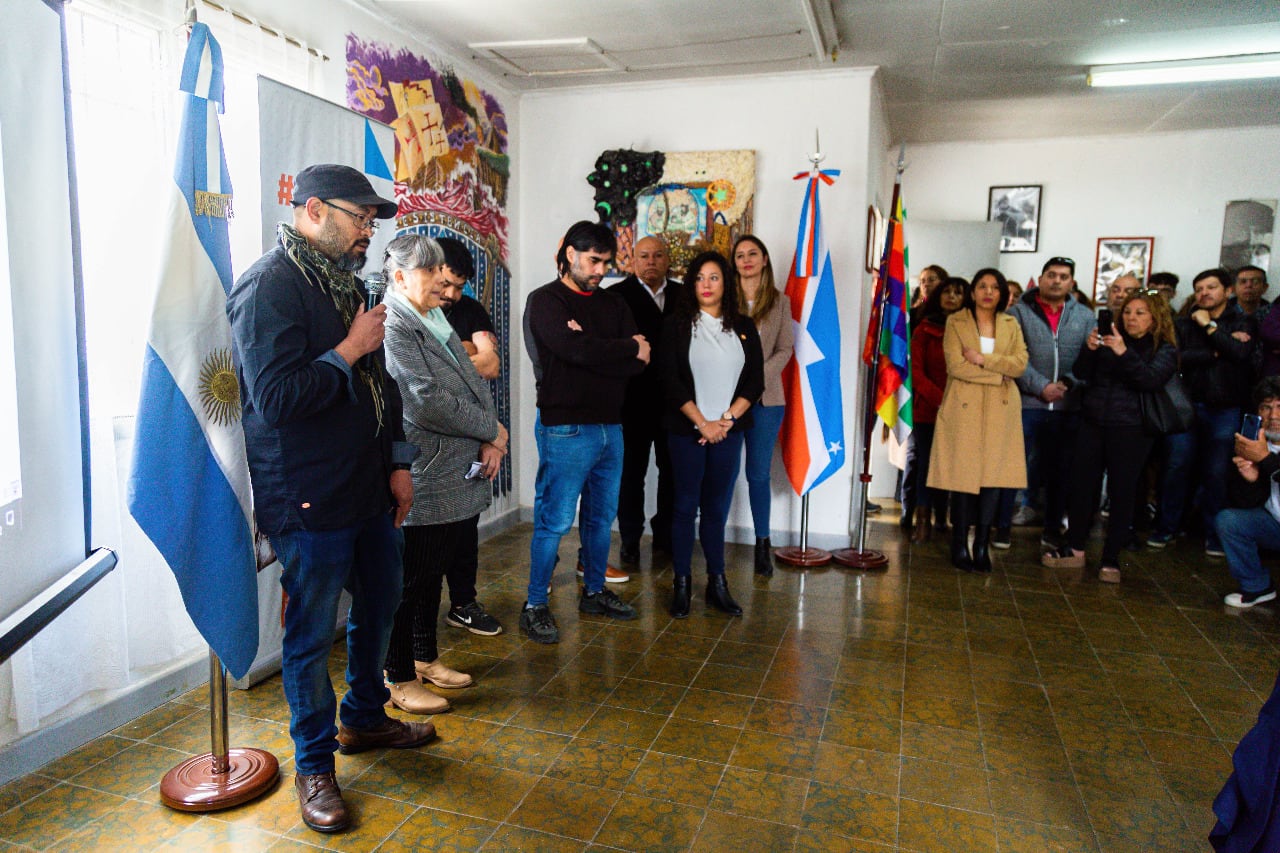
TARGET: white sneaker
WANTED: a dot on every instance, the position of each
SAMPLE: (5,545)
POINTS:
(1248,599)
(1025,516)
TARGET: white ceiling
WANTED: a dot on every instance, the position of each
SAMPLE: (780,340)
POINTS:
(951,69)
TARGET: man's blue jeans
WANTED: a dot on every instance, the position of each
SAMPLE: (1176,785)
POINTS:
(318,565)
(570,458)
(1207,446)
(705,475)
(1049,437)
(1243,532)
(760,441)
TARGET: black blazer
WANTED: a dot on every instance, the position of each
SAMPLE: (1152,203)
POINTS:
(644,399)
(677,375)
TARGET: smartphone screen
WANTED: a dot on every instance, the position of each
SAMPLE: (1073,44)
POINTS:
(1251,427)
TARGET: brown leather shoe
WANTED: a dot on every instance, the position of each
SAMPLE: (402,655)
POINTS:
(391,734)
(321,799)
(440,675)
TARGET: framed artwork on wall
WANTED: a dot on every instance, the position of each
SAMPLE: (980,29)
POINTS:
(1018,211)
(1117,256)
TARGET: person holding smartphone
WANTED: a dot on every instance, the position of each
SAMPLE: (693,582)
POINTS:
(1116,366)
(1252,519)
(449,414)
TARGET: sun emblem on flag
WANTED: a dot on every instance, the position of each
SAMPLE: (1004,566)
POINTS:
(219,389)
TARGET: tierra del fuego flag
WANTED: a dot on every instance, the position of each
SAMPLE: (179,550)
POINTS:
(813,426)
(890,323)
(189,487)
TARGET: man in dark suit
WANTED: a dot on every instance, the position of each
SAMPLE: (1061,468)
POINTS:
(652,297)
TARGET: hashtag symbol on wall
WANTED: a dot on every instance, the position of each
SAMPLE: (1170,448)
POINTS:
(284,190)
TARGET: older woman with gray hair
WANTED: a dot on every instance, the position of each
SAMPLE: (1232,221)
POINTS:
(449,414)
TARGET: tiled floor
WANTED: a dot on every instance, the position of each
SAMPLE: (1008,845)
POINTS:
(917,709)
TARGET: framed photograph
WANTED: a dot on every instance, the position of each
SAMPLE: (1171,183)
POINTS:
(1018,211)
(877,228)
(1119,256)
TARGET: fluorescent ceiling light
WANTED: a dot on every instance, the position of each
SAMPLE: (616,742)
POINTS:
(1250,67)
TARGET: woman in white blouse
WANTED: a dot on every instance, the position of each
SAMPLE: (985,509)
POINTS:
(712,373)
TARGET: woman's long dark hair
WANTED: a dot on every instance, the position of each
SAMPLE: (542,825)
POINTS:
(931,309)
(687,309)
(1001,281)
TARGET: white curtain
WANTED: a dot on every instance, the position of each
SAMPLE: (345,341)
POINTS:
(125,58)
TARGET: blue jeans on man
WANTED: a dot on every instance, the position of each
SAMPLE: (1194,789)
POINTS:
(572,457)
(1242,533)
(1204,450)
(364,560)
(1048,437)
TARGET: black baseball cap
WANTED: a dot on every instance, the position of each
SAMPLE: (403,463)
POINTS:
(330,180)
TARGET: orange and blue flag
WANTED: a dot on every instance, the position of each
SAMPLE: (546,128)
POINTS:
(813,427)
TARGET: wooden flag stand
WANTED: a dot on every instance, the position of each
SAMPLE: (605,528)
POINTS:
(223,777)
(803,556)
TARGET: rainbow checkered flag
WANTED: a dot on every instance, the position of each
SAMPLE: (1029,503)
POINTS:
(893,368)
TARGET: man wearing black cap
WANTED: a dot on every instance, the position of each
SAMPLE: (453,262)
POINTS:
(330,470)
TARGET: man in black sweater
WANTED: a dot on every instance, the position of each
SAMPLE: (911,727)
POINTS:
(587,347)
(1219,349)
(652,297)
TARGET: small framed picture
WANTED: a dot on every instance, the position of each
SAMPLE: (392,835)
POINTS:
(1119,256)
(1018,211)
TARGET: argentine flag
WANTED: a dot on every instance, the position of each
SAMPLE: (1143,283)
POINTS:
(813,426)
(189,487)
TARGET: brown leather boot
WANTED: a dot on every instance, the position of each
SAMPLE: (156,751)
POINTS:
(321,800)
(389,734)
(923,529)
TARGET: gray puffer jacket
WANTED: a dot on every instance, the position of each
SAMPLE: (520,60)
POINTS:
(1051,355)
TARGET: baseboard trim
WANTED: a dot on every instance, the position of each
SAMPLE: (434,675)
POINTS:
(37,749)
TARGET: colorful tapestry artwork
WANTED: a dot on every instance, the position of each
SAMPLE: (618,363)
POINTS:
(693,200)
(451,173)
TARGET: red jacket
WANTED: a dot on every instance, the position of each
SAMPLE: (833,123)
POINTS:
(928,372)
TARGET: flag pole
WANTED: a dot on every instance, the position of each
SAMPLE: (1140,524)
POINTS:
(804,556)
(223,777)
(862,557)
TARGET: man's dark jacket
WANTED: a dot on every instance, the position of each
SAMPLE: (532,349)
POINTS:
(644,399)
(1219,370)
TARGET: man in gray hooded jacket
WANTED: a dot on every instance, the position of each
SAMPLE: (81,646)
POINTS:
(1055,327)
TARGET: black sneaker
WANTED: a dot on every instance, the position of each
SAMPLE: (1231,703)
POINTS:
(629,553)
(1002,539)
(474,618)
(538,623)
(605,603)
(1248,599)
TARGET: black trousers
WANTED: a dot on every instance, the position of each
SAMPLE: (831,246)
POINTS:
(429,549)
(1122,453)
(638,435)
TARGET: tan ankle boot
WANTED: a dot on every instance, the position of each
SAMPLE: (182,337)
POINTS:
(440,675)
(411,696)
(922,530)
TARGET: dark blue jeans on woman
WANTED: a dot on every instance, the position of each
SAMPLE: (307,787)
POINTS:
(760,440)
(704,476)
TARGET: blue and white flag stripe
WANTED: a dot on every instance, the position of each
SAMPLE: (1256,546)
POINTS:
(189,488)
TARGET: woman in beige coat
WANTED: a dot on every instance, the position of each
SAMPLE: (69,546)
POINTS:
(977,445)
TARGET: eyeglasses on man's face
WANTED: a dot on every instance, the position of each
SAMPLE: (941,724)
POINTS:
(362,222)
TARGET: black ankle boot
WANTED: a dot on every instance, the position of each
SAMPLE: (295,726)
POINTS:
(680,597)
(960,547)
(981,554)
(907,521)
(764,558)
(718,596)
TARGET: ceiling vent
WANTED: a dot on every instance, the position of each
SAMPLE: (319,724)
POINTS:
(547,57)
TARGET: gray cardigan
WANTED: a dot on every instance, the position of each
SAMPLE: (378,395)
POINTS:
(448,414)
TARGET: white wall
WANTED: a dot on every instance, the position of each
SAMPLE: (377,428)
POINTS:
(1171,186)
(562,133)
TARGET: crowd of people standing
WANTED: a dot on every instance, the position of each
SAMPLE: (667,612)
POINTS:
(1026,419)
